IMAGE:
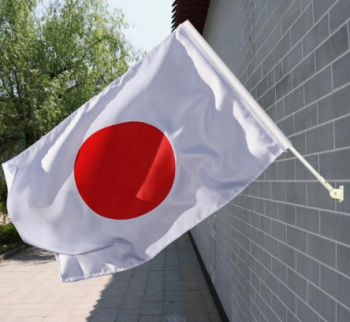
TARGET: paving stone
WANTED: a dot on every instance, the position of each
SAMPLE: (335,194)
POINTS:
(169,288)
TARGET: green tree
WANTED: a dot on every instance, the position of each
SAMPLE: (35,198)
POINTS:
(54,56)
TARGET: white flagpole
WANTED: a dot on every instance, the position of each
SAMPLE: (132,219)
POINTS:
(334,193)
(255,108)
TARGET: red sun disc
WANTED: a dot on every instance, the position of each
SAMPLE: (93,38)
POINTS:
(125,170)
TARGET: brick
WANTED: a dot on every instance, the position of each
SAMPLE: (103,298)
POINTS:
(320,138)
(308,219)
(269,98)
(265,190)
(271,245)
(333,165)
(279,270)
(321,249)
(304,312)
(272,112)
(259,238)
(259,205)
(254,219)
(278,71)
(287,297)
(302,25)
(297,284)
(279,308)
(301,172)
(308,268)
(339,14)
(265,293)
(343,315)
(345,205)
(286,213)
(336,285)
(287,255)
(279,230)
(254,189)
(296,192)
(267,28)
(283,47)
(285,170)
(256,77)
(265,224)
(290,16)
(335,46)
(287,125)
(334,105)
(282,8)
(321,7)
(305,118)
(261,20)
(341,71)
(297,238)
(318,86)
(278,191)
(260,55)
(294,101)
(272,282)
(335,226)
(342,132)
(271,79)
(280,110)
(304,70)
(271,5)
(321,303)
(298,142)
(268,64)
(270,315)
(265,259)
(271,172)
(274,38)
(317,34)
(291,317)
(284,86)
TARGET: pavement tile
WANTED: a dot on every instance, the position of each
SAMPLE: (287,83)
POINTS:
(169,288)
(127,318)
(152,308)
(151,318)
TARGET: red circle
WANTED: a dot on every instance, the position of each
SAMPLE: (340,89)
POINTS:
(125,170)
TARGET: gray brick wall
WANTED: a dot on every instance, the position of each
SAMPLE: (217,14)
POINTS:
(281,250)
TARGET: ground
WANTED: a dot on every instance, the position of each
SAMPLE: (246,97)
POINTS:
(169,288)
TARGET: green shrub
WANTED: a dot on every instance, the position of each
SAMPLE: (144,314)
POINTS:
(3,195)
(9,234)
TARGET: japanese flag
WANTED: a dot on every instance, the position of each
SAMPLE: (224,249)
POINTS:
(151,156)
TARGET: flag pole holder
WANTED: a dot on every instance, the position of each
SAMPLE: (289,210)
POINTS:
(333,192)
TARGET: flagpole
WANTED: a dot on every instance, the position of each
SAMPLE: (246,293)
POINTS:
(237,86)
(333,192)
(254,107)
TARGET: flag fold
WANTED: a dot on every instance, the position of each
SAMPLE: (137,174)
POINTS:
(151,156)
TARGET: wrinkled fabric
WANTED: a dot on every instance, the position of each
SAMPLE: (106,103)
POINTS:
(219,148)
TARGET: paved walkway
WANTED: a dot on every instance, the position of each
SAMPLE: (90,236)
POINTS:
(169,288)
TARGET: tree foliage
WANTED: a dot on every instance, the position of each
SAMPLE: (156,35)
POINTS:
(54,56)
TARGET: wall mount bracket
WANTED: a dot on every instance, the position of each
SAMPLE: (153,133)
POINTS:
(333,192)
(337,193)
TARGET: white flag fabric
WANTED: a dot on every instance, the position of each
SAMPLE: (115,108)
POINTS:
(151,156)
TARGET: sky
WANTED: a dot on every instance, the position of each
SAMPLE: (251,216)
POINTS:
(150,20)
